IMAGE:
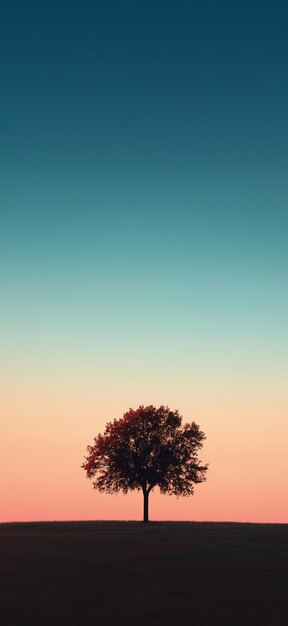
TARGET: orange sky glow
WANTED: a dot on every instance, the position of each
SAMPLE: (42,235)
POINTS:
(47,427)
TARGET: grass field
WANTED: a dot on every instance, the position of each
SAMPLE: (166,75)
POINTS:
(78,573)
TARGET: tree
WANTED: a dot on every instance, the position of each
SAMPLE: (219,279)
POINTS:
(146,448)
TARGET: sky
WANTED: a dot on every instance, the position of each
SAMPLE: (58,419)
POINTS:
(143,246)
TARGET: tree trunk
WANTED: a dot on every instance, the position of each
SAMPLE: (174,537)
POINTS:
(146,496)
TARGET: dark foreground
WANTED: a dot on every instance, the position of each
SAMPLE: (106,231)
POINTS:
(106,573)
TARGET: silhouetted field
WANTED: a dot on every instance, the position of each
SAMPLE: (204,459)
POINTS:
(106,573)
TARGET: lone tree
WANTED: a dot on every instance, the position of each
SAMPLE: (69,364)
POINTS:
(146,448)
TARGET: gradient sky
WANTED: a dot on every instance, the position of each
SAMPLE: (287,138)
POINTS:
(143,243)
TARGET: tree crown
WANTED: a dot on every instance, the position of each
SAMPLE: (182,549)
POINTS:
(146,448)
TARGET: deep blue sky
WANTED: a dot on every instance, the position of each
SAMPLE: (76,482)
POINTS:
(143,151)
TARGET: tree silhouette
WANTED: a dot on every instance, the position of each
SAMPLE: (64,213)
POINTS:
(146,448)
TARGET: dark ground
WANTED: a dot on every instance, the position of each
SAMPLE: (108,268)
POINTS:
(106,573)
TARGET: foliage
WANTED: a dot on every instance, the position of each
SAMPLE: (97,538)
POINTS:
(146,448)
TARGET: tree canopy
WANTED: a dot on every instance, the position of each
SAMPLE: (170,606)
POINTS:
(147,448)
